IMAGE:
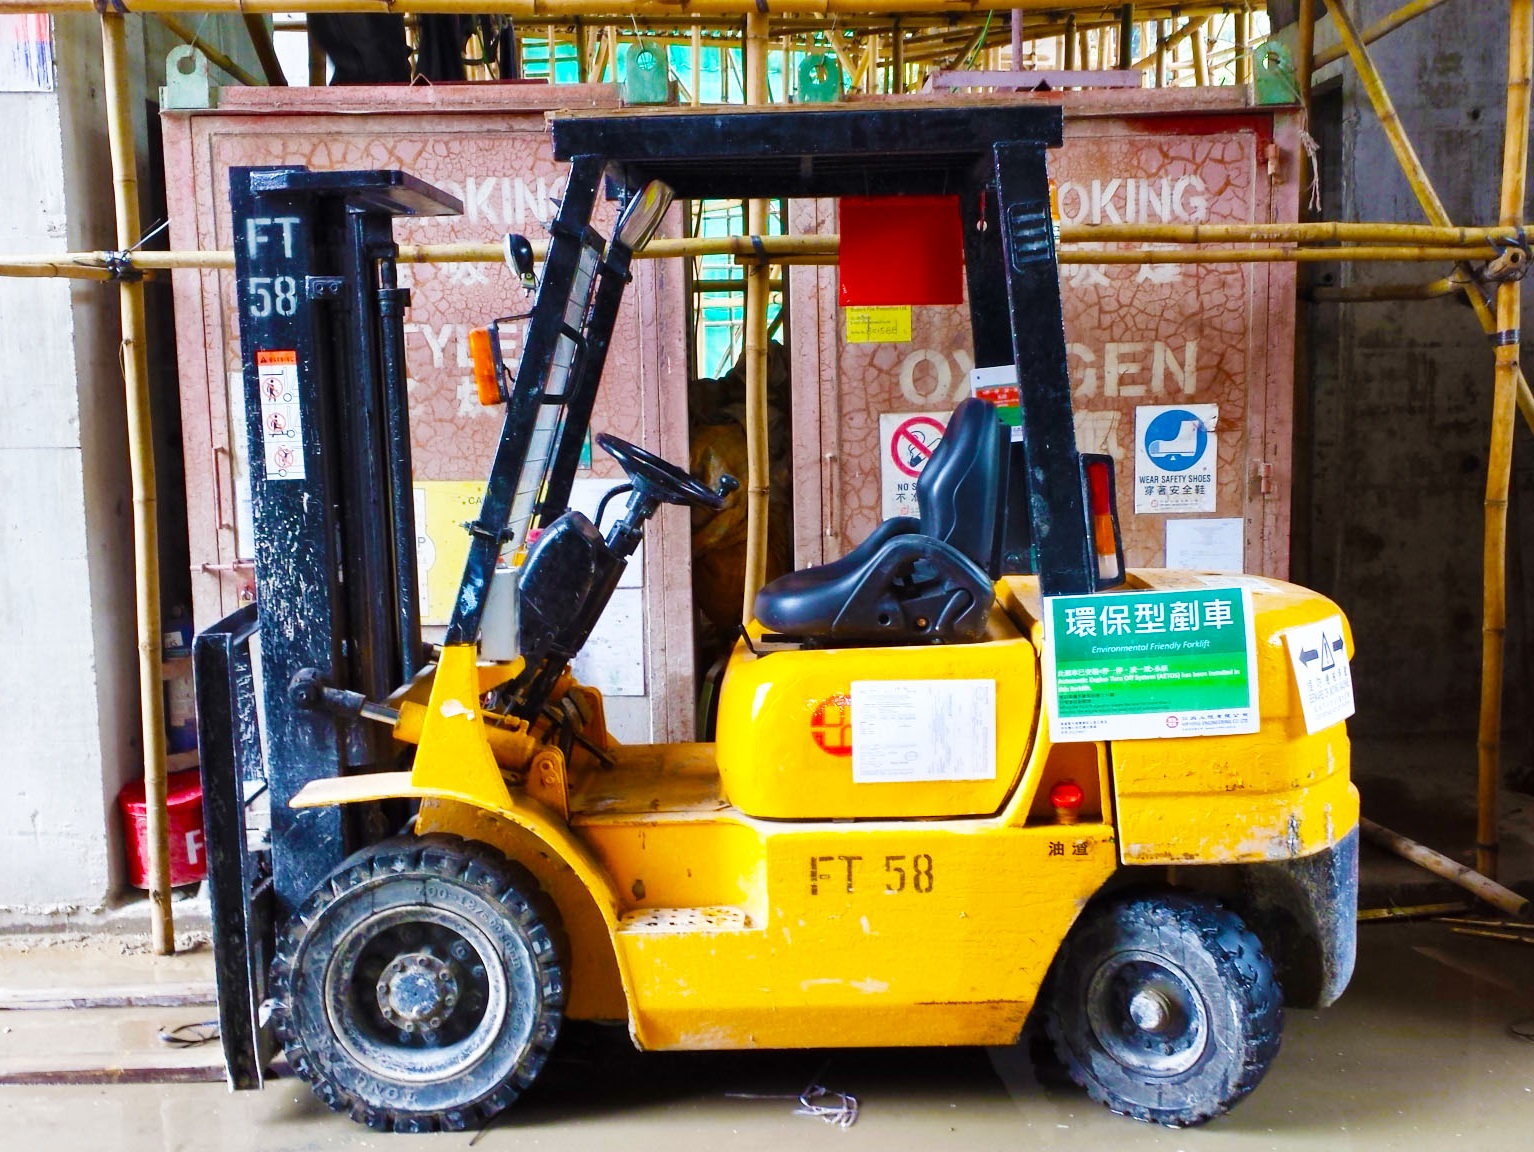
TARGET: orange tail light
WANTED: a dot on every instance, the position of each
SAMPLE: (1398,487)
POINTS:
(487,374)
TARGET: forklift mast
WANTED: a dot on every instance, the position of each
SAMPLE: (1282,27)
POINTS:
(322,338)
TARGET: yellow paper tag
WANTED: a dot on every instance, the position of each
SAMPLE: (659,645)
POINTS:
(889,324)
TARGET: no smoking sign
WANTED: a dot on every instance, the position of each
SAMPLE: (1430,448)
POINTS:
(908,440)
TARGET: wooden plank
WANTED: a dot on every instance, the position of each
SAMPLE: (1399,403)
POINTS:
(181,995)
(147,1072)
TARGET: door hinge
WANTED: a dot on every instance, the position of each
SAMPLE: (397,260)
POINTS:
(1264,477)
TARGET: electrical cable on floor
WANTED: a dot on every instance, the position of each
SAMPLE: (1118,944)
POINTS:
(190,1035)
(839,1109)
(1522,1030)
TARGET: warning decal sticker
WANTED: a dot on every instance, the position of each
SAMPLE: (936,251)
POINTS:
(282,418)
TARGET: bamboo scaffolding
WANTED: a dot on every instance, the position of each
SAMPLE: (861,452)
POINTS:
(552,11)
(146,555)
(1511,389)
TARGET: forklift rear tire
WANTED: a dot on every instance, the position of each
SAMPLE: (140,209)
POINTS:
(1165,1009)
(420,987)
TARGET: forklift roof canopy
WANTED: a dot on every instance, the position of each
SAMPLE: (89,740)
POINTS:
(848,150)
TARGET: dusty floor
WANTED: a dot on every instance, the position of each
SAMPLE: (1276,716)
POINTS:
(1416,1056)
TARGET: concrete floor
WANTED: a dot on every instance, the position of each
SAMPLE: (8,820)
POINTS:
(1416,1056)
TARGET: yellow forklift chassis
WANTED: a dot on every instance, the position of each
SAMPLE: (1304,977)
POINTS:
(750,895)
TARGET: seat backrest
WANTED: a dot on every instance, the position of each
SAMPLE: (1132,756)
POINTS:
(960,490)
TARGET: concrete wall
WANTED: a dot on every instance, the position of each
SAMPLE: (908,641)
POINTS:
(1401,393)
(69,682)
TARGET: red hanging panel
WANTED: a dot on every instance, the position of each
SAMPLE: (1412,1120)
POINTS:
(900,250)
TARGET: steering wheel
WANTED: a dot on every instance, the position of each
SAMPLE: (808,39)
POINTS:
(662,480)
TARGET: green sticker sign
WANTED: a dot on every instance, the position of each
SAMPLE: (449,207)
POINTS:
(1140,665)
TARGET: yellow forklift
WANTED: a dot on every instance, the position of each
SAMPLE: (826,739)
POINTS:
(969,774)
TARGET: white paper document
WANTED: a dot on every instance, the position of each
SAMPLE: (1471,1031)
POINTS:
(907,730)
(1206,545)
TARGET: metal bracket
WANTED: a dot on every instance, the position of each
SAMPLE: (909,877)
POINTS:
(324,287)
(187,82)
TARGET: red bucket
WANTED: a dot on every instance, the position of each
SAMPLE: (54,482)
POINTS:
(188,851)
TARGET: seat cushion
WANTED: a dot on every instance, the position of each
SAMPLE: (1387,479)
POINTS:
(807,602)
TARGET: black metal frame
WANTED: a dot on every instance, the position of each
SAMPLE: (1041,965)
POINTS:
(992,156)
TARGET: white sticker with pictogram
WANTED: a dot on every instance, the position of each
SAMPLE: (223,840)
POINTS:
(282,417)
(1319,656)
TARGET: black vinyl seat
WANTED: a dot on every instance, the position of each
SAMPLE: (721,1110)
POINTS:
(913,581)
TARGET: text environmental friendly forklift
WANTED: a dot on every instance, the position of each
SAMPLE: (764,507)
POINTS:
(907,831)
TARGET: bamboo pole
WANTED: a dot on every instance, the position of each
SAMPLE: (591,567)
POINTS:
(215,57)
(1069,46)
(1385,253)
(695,47)
(1411,911)
(758,273)
(135,366)
(266,52)
(1304,64)
(1243,55)
(1484,887)
(94,265)
(1126,44)
(1499,465)
(1200,57)
(1375,293)
(1380,28)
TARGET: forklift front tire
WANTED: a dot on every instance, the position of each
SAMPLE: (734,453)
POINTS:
(1165,1009)
(420,986)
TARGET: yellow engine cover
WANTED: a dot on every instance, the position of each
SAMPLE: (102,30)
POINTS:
(785,734)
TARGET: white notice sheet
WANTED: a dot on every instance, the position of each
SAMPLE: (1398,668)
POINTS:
(906,730)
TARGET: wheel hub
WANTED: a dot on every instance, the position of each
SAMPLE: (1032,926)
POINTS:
(417,990)
(1146,1014)
(1152,1011)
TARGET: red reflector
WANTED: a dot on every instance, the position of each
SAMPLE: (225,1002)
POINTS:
(1100,492)
(1066,794)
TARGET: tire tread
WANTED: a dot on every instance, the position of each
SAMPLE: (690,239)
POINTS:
(494,876)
